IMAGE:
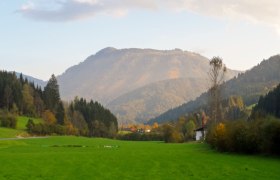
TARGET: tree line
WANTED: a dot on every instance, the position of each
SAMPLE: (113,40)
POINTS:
(79,117)
(268,105)
(257,133)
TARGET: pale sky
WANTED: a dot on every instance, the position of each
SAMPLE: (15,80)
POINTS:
(42,37)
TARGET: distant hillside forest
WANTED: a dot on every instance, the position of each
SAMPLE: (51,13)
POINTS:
(79,117)
(268,104)
(250,85)
(258,134)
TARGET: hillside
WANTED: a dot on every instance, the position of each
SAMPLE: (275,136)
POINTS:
(151,100)
(114,76)
(250,85)
(269,104)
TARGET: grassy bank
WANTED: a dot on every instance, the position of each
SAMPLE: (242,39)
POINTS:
(20,128)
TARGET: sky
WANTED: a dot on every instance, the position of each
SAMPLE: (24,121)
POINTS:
(44,37)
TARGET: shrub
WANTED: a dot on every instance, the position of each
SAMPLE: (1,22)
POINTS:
(8,120)
(271,137)
(170,135)
(242,137)
(216,136)
(259,136)
(30,125)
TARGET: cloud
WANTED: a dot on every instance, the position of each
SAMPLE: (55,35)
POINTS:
(260,11)
(68,10)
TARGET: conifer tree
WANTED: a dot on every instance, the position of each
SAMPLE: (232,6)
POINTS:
(51,94)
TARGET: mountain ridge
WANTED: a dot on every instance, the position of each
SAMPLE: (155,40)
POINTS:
(111,73)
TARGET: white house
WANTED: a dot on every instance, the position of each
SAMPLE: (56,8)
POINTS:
(200,133)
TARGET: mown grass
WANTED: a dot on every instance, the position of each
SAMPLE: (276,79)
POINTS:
(94,158)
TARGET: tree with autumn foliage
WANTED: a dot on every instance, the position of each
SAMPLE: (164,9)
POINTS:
(49,117)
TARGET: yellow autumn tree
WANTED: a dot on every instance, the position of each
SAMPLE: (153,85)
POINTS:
(49,117)
(220,129)
(155,125)
(220,136)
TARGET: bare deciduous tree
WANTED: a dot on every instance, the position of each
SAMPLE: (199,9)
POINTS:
(216,75)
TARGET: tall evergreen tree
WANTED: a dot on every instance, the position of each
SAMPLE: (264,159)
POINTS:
(59,115)
(51,94)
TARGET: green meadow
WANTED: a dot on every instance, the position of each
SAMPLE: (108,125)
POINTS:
(96,158)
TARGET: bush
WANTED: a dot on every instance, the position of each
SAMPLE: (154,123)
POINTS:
(8,120)
(45,129)
(216,136)
(271,137)
(259,136)
(242,137)
(30,125)
(170,135)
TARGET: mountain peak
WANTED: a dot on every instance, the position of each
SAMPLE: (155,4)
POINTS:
(106,50)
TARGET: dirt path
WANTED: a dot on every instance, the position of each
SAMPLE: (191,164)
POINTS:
(18,138)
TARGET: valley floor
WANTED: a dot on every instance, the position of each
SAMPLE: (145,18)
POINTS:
(96,158)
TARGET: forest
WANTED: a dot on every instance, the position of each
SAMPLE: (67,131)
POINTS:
(79,117)
(258,133)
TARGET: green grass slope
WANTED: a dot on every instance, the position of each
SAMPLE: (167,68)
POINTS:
(10,133)
(91,158)
(20,129)
(22,121)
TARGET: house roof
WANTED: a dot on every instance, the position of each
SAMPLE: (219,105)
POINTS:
(200,129)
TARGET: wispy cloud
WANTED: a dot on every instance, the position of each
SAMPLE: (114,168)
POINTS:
(260,11)
(68,10)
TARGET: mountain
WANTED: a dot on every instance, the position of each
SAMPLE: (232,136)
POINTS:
(128,77)
(36,81)
(249,85)
(150,101)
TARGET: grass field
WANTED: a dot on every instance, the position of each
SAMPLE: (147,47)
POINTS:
(94,158)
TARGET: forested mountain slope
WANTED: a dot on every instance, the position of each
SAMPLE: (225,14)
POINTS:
(249,85)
